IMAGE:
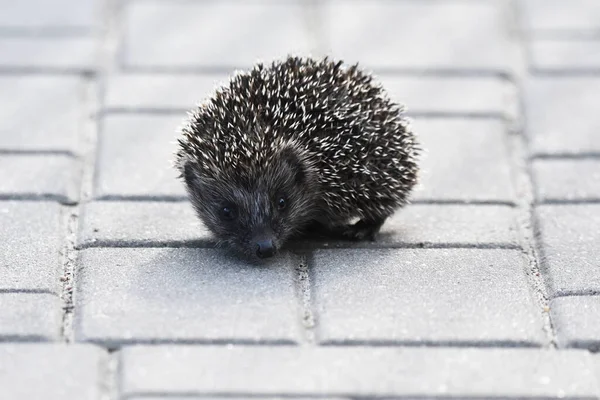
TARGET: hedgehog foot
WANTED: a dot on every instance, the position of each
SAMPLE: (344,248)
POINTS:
(363,230)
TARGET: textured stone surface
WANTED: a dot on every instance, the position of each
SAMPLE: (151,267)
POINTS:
(183,294)
(577,321)
(53,177)
(30,316)
(61,53)
(136,156)
(55,16)
(114,223)
(569,242)
(131,92)
(364,372)
(561,114)
(166,34)
(40,112)
(464,160)
(424,296)
(544,16)
(50,372)
(567,180)
(479,96)
(381,34)
(565,55)
(29,245)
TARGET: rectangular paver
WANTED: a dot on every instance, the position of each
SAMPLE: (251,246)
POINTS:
(160,34)
(76,54)
(392,34)
(569,237)
(136,154)
(149,92)
(561,114)
(559,16)
(57,16)
(567,180)
(361,371)
(576,320)
(167,294)
(53,177)
(565,55)
(424,296)
(117,223)
(51,372)
(464,160)
(30,316)
(41,112)
(30,241)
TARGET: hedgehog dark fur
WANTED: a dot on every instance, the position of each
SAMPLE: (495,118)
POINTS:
(296,144)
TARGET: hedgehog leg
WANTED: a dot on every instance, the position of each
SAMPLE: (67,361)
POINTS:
(364,229)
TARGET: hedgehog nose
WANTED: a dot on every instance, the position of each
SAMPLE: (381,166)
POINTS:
(265,248)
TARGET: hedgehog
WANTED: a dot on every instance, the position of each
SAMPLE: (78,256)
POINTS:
(295,146)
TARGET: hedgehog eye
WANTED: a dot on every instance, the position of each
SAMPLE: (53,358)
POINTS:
(281,203)
(228,212)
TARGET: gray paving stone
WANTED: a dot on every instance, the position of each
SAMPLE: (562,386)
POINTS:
(565,55)
(576,321)
(381,34)
(30,316)
(113,223)
(479,96)
(569,245)
(131,92)
(562,116)
(464,160)
(560,16)
(362,371)
(424,296)
(163,34)
(136,157)
(40,112)
(30,242)
(51,371)
(567,180)
(201,397)
(55,16)
(62,53)
(38,176)
(165,294)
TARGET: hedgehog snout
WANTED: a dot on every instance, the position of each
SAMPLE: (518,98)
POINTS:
(263,244)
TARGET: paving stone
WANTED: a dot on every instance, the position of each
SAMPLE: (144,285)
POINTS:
(381,34)
(565,55)
(113,223)
(62,53)
(558,15)
(50,371)
(424,296)
(464,160)
(40,112)
(574,123)
(363,371)
(567,180)
(30,241)
(55,16)
(569,242)
(433,225)
(163,34)
(131,92)
(136,157)
(201,397)
(479,96)
(30,316)
(167,294)
(53,177)
(576,320)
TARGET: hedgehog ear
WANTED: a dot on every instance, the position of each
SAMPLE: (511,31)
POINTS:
(291,159)
(188,174)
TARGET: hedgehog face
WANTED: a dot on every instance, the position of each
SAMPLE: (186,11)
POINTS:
(255,211)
